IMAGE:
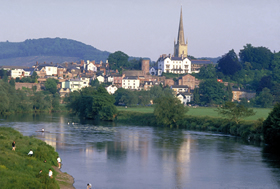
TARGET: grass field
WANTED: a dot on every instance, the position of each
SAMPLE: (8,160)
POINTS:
(201,111)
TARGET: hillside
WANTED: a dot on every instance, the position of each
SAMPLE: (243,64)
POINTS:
(55,50)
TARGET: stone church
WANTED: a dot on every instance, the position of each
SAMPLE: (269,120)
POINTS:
(178,63)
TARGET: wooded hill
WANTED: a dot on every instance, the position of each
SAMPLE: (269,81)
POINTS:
(55,50)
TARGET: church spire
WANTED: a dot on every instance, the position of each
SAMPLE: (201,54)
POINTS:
(181,48)
(181,38)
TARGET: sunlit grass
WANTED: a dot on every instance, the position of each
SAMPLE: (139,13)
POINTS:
(200,111)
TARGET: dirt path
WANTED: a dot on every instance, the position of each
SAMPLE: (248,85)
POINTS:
(64,180)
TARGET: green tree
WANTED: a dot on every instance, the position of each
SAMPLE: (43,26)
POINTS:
(229,92)
(235,111)
(51,85)
(34,77)
(94,83)
(169,110)
(259,57)
(264,99)
(207,72)
(92,103)
(12,82)
(126,97)
(196,96)
(271,127)
(212,92)
(118,60)
(229,63)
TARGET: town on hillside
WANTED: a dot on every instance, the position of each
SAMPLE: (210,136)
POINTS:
(77,75)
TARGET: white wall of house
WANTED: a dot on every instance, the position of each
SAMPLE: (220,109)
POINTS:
(100,79)
(111,89)
(17,73)
(130,83)
(167,65)
(86,81)
(74,84)
(51,70)
(89,66)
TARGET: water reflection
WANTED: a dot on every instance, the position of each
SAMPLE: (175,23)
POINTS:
(120,156)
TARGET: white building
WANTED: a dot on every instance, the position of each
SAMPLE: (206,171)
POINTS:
(184,97)
(22,72)
(100,79)
(89,66)
(86,81)
(51,70)
(111,89)
(131,82)
(177,65)
(73,84)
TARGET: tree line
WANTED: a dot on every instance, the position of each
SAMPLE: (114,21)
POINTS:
(256,69)
(27,100)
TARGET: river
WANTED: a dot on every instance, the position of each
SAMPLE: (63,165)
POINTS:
(120,156)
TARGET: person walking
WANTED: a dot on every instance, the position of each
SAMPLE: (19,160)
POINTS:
(59,162)
(14,146)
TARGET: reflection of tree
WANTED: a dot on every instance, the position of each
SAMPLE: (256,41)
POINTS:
(271,156)
(168,138)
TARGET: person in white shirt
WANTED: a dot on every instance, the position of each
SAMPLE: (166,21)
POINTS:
(58,162)
(30,153)
(50,173)
(88,186)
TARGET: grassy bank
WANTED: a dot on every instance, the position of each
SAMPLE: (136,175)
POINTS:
(17,170)
(200,111)
(246,129)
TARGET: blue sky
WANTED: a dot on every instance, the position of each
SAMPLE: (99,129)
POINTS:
(146,28)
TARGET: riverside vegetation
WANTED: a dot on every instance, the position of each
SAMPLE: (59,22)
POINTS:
(17,170)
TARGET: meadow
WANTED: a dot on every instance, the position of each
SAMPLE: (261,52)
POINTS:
(199,111)
(17,169)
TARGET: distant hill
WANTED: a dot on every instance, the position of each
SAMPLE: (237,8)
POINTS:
(56,50)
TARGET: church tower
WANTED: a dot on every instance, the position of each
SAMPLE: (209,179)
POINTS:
(181,48)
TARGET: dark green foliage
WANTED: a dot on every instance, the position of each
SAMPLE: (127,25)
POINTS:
(212,92)
(51,47)
(229,63)
(169,111)
(118,60)
(12,82)
(271,127)
(125,97)
(196,96)
(51,85)
(92,103)
(94,83)
(264,99)
(207,72)
(235,111)
(17,170)
(252,130)
(258,57)
(14,101)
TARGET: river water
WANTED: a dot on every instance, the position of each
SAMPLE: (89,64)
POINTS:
(119,156)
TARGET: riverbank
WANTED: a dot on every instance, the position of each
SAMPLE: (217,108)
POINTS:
(248,130)
(18,170)
(64,180)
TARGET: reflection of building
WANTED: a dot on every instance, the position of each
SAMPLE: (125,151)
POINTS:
(183,159)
